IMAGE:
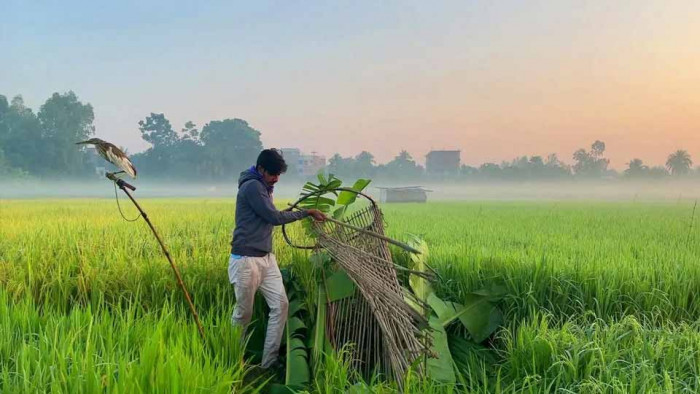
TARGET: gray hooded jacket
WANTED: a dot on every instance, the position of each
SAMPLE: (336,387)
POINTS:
(256,216)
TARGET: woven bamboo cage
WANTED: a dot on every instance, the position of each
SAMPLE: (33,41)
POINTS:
(382,331)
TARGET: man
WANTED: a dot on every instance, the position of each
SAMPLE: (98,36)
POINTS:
(252,265)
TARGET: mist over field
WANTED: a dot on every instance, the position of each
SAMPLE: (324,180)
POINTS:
(660,190)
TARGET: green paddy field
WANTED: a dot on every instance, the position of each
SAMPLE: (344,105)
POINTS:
(601,297)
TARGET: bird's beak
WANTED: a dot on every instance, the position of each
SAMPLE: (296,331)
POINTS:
(82,142)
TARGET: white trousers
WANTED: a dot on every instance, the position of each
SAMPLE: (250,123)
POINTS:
(248,274)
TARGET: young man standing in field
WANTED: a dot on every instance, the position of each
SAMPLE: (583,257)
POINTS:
(252,264)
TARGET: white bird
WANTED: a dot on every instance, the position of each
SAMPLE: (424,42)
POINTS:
(112,154)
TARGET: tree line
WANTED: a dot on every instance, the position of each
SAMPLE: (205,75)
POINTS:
(42,144)
(587,164)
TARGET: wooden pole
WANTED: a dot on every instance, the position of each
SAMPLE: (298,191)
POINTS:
(123,185)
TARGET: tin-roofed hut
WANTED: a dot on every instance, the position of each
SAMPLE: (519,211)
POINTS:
(403,194)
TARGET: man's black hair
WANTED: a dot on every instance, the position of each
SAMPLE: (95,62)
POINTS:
(271,160)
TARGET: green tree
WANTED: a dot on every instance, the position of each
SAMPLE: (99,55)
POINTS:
(402,167)
(190,132)
(658,172)
(341,166)
(555,168)
(156,130)
(591,163)
(20,136)
(679,162)
(187,157)
(598,148)
(160,159)
(230,146)
(64,121)
(364,165)
(490,170)
(636,169)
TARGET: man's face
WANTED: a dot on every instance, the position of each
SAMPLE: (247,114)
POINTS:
(269,178)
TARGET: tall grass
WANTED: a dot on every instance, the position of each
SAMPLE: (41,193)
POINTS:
(601,297)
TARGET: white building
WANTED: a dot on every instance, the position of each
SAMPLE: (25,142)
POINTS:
(311,164)
(303,164)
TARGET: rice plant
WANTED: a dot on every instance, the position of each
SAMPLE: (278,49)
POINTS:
(597,297)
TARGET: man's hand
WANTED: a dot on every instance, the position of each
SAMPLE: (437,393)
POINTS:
(317,215)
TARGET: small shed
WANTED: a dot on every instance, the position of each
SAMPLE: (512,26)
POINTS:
(403,194)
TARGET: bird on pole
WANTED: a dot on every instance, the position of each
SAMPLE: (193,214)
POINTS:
(112,154)
(115,156)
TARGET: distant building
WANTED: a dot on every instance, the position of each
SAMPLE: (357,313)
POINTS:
(302,164)
(292,157)
(442,162)
(311,164)
(403,194)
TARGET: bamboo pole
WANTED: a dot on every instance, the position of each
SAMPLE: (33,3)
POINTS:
(124,186)
(373,234)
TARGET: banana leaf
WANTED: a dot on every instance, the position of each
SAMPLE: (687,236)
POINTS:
(297,369)
(339,286)
(478,314)
(440,368)
(420,286)
(347,197)
(319,332)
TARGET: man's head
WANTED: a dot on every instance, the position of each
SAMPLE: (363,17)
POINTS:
(271,165)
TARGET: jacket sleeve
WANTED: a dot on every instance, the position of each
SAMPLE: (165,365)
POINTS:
(257,198)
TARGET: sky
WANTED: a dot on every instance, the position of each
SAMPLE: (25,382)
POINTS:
(494,79)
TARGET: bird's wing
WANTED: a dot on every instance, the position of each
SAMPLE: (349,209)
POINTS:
(118,158)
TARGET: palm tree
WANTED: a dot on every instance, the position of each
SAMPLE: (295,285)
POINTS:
(679,162)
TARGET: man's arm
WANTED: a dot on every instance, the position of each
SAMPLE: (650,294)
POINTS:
(256,196)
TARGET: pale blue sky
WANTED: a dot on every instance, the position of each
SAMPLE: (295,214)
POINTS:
(494,79)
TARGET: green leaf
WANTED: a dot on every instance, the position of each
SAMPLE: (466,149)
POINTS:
(348,197)
(420,286)
(339,286)
(294,324)
(321,205)
(319,259)
(361,184)
(480,317)
(462,350)
(321,179)
(325,201)
(297,368)
(297,373)
(319,334)
(441,368)
(294,307)
(314,201)
(410,299)
(334,184)
(310,187)
(339,212)
(494,293)
(440,307)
